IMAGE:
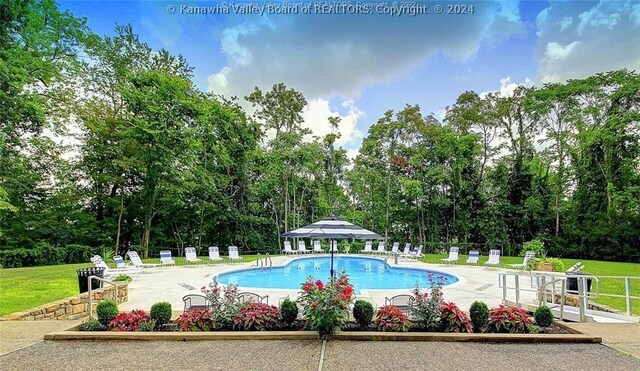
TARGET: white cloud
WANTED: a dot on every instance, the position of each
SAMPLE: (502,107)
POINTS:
(339,55)
(316,117)
(507,87)
(604,37)
(556,51)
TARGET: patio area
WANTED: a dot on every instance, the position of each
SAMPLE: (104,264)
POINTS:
(172,283)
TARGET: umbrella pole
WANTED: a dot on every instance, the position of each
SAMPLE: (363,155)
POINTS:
(331,248)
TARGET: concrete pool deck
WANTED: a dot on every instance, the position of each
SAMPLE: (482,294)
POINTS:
(172,283)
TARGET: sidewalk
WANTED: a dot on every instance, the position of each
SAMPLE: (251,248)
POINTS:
(624,337)
(15,335)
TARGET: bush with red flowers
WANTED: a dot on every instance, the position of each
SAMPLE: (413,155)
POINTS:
(510,319)
(390,318)
(326,307)
(128,321)
(453,319)
(257,316)
(197,319)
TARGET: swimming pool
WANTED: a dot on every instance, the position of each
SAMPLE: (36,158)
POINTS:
(364,273)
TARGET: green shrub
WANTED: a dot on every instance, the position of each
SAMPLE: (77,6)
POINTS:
(288,311)
(78,253)
(90,325)
(543,316)
(123,278)
(14,258)
(536,245)
(363,313)
(45,254)
(106,311)
(160,313)
(479,313)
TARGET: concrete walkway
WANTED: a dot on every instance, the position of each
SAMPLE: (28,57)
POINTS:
(306,355)
(624,337)
(15,335)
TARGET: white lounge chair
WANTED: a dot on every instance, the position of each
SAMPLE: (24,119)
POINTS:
(287,248)
(166,258)
(381,248)
(453,255)
(302,247)
(214,254)
(474,256)
(368,248)
(234,255)
(395,249)
(190,256)
(528,255)
(494,258)
(317,248)
(407,249)
(136,261)
(98,262)
(418,254)
(334,247)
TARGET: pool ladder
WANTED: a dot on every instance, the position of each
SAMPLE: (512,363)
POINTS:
(264,261)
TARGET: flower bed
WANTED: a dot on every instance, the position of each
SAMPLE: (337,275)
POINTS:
(326,310)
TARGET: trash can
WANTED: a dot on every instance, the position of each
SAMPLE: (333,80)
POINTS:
(572,282)
(83,273)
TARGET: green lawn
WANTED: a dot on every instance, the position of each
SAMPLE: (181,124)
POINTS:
(595,267)
(23,288)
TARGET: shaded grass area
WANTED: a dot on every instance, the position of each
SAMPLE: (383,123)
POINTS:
(24,288)
(594,267)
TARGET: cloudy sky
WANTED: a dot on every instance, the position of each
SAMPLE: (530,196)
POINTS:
(360,65)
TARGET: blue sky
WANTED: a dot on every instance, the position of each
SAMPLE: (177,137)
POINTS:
(358,66)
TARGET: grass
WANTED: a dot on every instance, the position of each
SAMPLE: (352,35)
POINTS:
(594,267)
(24,288)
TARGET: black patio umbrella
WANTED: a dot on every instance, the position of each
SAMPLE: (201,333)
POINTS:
(333,229)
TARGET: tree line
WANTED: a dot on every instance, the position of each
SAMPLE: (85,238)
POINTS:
(155,162)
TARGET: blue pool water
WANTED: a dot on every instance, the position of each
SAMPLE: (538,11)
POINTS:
(364,273)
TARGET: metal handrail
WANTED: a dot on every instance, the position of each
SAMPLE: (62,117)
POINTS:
(582,293)
(90,292)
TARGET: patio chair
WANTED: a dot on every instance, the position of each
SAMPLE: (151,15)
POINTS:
(334,247)
(528,255)
(453,255)
(195,301)
(368,248)
(136,261)
(166,258)
(287,248)
(402,302)
(474,256)
(407,249)
(98,262)
(251,297)
(494,258)
(190,256)
(381,248)
(121,265)
(317,248)
(394,249)
(302,247)
(418,254)
(214,254)
(234,255)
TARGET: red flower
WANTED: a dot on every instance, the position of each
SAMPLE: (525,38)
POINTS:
(314,305)
(348,291)
(308,286)
(320,285)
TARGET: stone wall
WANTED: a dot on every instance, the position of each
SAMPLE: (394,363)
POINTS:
(70,308)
